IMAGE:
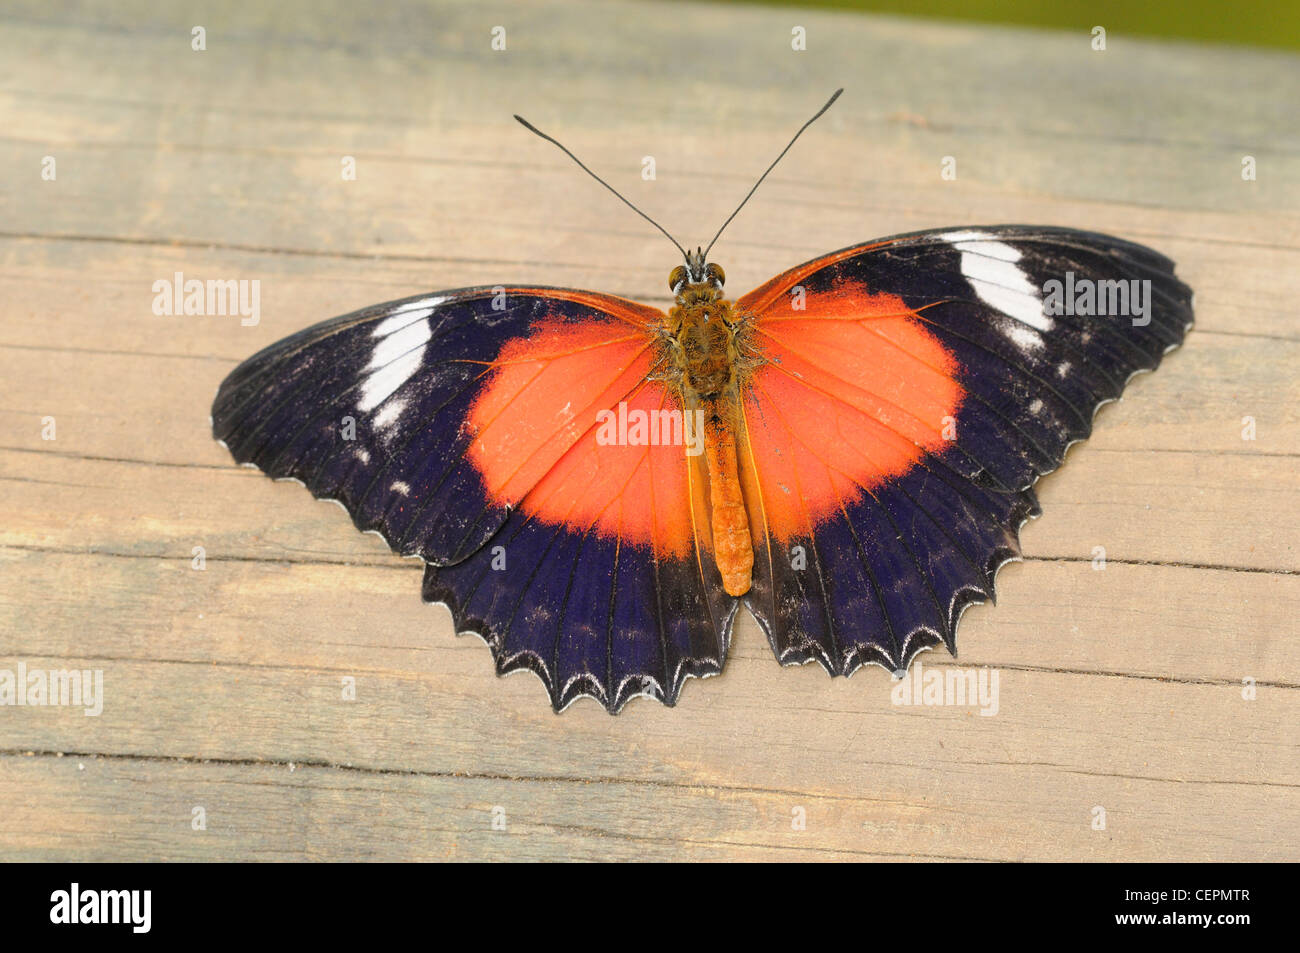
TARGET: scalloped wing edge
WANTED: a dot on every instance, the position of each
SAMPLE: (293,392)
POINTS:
(564,695)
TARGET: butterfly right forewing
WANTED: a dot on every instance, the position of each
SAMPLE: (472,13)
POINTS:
(908,403)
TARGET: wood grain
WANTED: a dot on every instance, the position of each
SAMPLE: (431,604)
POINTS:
(1120,688)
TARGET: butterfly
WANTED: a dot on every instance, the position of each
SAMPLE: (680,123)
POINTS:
(595,485)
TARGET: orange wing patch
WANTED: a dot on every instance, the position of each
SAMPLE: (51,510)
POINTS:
(854,393)
(543,421)
(766,297)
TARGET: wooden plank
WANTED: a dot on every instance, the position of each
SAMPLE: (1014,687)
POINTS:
(1052,613)
(1119,687)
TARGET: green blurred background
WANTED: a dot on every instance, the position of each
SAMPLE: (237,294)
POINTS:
(1275,24)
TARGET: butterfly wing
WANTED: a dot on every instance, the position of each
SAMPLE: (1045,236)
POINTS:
(913,391)
(463,428)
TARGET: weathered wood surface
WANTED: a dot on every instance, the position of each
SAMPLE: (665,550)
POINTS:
(1119,688)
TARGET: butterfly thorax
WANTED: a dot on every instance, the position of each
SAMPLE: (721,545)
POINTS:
(702,340)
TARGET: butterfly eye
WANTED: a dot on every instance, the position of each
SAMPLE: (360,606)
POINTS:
(677,276)
(715,274)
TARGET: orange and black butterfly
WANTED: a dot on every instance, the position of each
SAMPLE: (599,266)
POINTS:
(596,485)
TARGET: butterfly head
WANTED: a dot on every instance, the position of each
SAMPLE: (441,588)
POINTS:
(697,278)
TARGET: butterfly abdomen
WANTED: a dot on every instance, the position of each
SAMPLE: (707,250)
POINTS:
(733,549)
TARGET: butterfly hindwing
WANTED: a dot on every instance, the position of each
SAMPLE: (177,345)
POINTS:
(462,427)
(588,613)
(914,388)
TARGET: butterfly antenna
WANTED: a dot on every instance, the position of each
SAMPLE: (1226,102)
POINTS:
(817,116)
(531,128)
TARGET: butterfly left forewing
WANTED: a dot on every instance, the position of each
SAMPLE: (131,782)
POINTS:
(463,427)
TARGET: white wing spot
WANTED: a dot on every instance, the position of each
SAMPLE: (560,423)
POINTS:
(399,342)
(397,356)
(990,266)
(1024,338)
(406,314)
(389,414)
(400,487)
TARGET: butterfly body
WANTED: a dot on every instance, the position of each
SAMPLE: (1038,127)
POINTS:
(710,354)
